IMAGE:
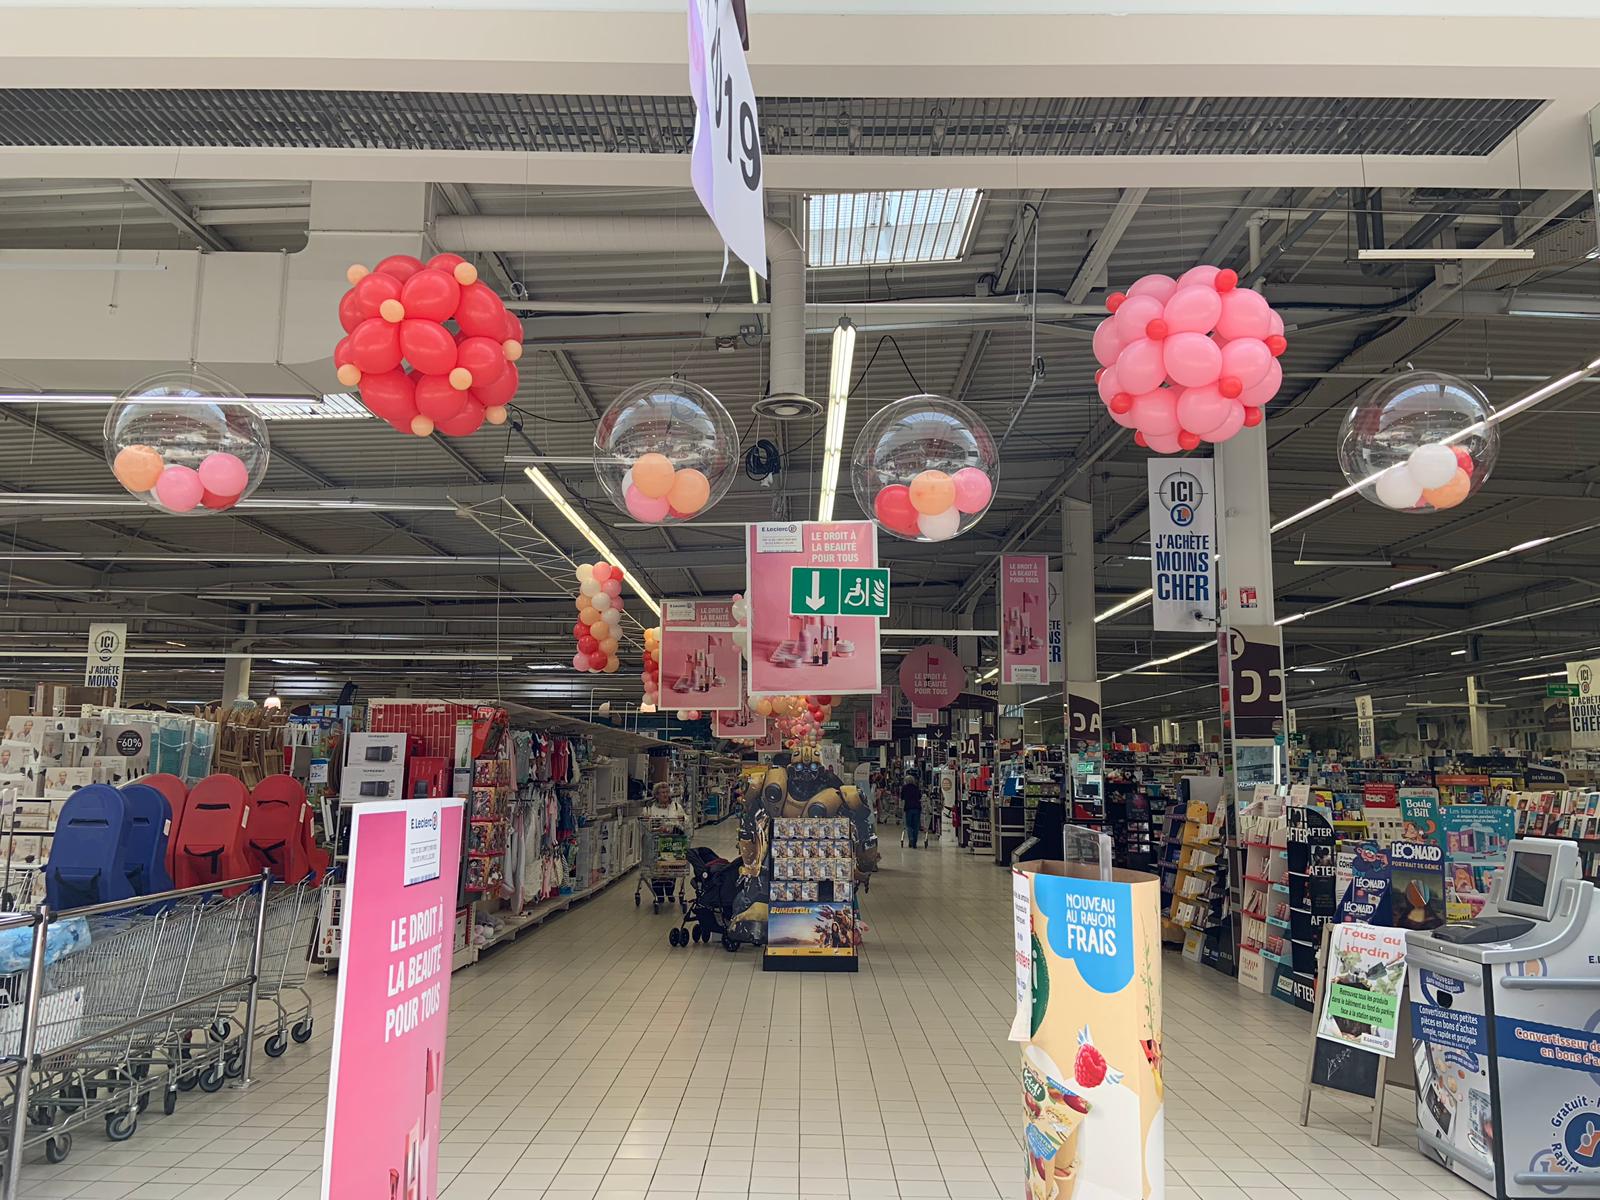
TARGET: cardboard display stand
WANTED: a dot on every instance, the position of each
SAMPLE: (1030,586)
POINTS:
(1089,1013)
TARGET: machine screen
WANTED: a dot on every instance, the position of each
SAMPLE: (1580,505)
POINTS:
(1528,882)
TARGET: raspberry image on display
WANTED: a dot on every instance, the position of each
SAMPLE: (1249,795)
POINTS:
(1090,1069)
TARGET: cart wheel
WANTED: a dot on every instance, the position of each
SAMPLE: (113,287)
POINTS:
(120,1126)
(169,1101)
(219,1031)
(300,1031)
(655,906)
(729,944)
(276,1045)
(234,1064)
(57,1148)
(636,900)
(186,1083)
(213,1079)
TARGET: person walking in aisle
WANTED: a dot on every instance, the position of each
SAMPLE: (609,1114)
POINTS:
(911,801)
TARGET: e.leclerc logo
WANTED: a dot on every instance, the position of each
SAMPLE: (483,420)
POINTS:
(1182,494)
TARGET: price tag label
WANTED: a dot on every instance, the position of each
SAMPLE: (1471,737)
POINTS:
(726,164)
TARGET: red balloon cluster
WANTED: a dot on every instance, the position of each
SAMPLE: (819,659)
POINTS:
(1188,360)
(454,332)
(599,604)
(799,719)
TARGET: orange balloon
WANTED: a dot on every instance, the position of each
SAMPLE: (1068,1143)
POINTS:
(932,492)
(652,475)
(495,414)
(589,614)
(422,426)
(581,603)
(611,666)
(690,491)
(137,467)
(609,645)
(1450,494)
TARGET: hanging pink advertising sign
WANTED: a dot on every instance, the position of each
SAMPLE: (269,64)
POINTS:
(699,661)
(931,677)
(800,578)
(863,730)
(771,741)
(883,715)
(741,722)
(1024,618)
(393,1002)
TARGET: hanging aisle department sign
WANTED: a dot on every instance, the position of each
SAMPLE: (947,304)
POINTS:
(725,161)
(1183,545)
(108,644)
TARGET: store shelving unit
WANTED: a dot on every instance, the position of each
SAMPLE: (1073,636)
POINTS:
(1200,889)
(1264,910)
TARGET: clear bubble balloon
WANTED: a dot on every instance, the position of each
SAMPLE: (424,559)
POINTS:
(665,451)
(925,468)
(186,442)
(1419,442)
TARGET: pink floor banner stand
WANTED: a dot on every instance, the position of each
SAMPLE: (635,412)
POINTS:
(1024,618)
(387,1076)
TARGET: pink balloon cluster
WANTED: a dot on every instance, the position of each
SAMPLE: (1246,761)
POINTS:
(1188,360)
(217,483)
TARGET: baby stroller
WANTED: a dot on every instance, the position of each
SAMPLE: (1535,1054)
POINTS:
(713,883)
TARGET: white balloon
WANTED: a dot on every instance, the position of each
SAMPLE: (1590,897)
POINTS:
(611,617)
(585,572)
(602,602)
(1433,465)
(1398,487)
(942,526)
(589,587)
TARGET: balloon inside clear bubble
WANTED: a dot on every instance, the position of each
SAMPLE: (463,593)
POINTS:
(925,468)
(665,451)
(187,442)
(1419,441)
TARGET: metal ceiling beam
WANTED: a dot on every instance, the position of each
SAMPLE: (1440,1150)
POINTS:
(171,206)
(1105,243)
(1220,249)
(1292,233)
(1024,222)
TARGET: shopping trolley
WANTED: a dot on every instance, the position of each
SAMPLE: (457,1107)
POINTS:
(154,995)
(664,862)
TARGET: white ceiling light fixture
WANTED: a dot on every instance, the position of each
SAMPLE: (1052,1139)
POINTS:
(1342,562)
(1458,654)
(564,507)
(1445,254)
(1547,675)
(843,362)
(867,229)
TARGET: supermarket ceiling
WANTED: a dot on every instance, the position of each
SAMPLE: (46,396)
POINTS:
(117,139)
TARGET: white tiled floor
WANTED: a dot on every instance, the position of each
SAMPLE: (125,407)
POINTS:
(590,1060)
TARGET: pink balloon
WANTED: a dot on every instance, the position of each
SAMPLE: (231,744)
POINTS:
(1202,409)
(1191,359)
(1230,426)
(1255,397)
(1106,342)
(180,489)
(223,474)
(1275,321)
(1247,360)
(1134,316)
(580,661)
(1159,286)
(612,587)
(1203,276)
(1156,412)
(974,490)
(1245,314)
(1163,443)
(1140,366)
(1108,385)
(645,508)
(1192,310)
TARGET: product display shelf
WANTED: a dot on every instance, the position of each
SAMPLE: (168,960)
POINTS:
(1199,892)
(1310,874)
(1264,922)
(1171,854)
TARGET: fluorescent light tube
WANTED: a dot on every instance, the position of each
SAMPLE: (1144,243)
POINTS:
(844,353)
(1132,601)
(553,494)
(1342,562)
(1443,253)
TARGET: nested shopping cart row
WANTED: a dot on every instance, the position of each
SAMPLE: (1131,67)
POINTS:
(122,1002)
